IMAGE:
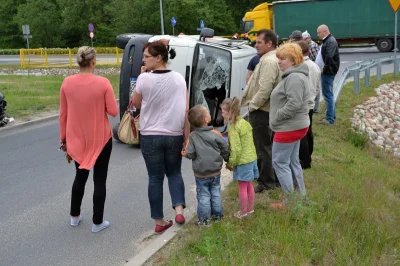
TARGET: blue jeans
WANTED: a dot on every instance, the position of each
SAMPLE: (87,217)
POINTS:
(209,202)
(327,93)
(162,155)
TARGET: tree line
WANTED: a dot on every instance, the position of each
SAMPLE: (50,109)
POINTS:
(64,23)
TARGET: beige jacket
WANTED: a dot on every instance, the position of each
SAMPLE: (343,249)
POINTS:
(264,79)
(314,77)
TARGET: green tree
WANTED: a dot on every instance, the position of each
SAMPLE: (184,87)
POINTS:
(77,15)
(43,19)
(10,31)
(118,18)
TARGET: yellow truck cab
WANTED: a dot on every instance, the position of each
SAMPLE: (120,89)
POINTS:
(261,17)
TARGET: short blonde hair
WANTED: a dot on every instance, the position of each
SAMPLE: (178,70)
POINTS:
(292,51)
(85,55)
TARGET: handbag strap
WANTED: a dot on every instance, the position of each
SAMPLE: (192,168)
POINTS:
(133,127)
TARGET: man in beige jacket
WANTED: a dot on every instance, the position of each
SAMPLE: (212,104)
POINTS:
(265,77)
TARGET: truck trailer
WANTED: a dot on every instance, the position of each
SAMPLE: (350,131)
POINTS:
(350,21)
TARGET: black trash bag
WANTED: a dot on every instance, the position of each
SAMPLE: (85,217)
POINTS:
(3,118)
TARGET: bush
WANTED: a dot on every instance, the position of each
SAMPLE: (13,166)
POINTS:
(9,51)
(54,51)
(358,139)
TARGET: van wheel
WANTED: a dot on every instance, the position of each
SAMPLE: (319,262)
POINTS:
(385,45)
(115,131)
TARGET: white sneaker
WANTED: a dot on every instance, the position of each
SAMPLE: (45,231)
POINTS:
(75,221)
(98,227)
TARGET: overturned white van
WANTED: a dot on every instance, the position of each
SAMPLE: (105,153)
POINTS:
(214,69)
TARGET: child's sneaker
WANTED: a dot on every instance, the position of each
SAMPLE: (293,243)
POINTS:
(239,215)
(216,217)
(202,223)
(250,213)
(75,221)
(98,227)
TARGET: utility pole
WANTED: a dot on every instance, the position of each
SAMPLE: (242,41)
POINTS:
(162,17)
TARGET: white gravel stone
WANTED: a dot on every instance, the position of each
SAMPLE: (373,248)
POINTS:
(379,117)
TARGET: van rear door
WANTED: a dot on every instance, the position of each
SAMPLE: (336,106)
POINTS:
(130,70)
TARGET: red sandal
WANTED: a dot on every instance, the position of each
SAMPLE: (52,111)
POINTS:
(162,228)
(180,219)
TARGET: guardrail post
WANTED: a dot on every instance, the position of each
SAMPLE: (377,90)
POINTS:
(46,57)
(367,77)
(356,75)
(379,71)
(70,57)
(116,52)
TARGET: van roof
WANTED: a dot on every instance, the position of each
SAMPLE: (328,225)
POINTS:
(220,42)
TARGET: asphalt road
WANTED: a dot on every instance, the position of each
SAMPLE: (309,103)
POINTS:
(35,186)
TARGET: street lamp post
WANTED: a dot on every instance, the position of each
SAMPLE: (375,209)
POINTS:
(162,17)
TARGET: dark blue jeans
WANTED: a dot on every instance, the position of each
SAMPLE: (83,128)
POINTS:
(327,93)
(209,202)
(162,155)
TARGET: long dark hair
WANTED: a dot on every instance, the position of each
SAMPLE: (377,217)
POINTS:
(162,48)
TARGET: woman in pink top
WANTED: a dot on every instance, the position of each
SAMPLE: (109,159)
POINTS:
(161,96)
(85,101)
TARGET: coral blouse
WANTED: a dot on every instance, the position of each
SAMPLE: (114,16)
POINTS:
(85,101)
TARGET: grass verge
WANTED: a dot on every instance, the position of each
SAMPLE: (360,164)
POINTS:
(354,218)
(30,96)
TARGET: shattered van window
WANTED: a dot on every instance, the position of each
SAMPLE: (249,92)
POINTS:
(211,81)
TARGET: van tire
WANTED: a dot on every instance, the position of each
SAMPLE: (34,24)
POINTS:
(384,45)
(122,40)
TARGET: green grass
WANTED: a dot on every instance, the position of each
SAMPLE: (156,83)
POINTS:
(353,217)
(29,96)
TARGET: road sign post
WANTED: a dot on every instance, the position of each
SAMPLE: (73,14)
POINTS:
(201,25)
(91,34)
(27,35)
(162,17)
(173,23)
(395,4)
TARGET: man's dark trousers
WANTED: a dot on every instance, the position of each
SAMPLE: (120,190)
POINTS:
(262,136)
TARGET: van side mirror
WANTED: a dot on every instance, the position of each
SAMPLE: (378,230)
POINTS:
(206,33)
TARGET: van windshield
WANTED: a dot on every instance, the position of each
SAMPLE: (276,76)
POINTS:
(211,80)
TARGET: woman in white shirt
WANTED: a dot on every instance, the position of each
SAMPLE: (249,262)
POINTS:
(161,95)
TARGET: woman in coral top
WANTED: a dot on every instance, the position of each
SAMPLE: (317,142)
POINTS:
(85,101)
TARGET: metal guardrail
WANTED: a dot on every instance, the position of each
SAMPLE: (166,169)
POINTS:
(365,66)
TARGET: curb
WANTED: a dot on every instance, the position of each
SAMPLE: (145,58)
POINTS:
(28,124)
(152,248)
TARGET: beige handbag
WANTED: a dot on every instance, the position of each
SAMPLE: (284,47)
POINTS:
(128,131)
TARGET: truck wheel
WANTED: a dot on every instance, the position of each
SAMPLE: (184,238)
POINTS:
(115,131)
(385,45)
